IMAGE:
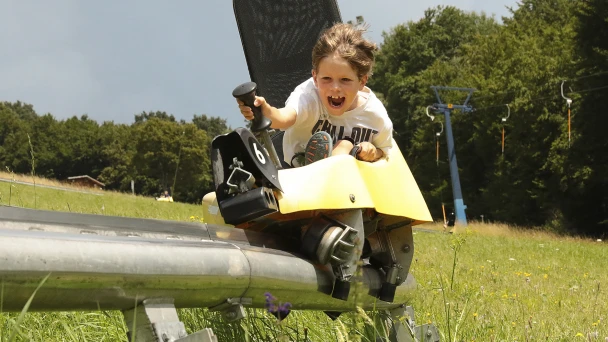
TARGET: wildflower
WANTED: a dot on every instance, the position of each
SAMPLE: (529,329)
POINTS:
(270,306)
(545,276)
(280,311)
(475,315)
(579,334)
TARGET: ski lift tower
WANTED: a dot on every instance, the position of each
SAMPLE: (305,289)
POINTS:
(446,109)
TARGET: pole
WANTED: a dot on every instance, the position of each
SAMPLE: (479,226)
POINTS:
(459,206)
(179,154)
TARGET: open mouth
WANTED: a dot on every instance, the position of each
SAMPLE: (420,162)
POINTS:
(336,101)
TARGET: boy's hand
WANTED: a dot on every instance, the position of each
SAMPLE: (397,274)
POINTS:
(368,152)
(248,112)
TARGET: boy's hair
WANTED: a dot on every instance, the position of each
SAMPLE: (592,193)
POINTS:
(347,40)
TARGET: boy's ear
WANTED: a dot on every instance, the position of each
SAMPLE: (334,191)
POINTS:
(363,82)
(314,76)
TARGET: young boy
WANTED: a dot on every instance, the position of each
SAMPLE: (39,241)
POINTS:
(333,112)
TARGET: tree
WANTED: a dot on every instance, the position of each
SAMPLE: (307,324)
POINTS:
(582,173)
(117,152)
(164,148)
(144,116)
(214,126)
(14,145)
(520,63)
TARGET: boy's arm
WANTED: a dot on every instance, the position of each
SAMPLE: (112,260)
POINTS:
(282,118)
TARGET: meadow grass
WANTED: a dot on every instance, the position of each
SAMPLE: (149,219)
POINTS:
(489,283)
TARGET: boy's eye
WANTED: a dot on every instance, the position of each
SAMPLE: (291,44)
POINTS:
(326,78)
(346,79)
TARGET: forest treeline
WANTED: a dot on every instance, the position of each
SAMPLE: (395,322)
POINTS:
(553,170)
(157,152)
(543,177)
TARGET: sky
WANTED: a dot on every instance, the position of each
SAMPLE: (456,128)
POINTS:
(114,59)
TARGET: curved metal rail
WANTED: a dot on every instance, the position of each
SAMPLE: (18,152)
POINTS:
(103,262)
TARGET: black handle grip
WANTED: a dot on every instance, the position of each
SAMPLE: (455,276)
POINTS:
(246,93)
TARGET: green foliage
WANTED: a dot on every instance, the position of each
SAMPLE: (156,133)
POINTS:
(541,178)
(144,116)
(582,173)
(212,125)
(156,151)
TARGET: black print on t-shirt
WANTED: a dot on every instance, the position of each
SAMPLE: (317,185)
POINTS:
(358,134)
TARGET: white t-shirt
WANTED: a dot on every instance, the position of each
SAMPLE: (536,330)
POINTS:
(368,122)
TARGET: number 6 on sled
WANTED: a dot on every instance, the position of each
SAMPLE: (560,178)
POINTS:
(259,154)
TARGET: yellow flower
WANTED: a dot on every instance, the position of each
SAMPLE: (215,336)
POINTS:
(546,276)
(475,315)
(579,334)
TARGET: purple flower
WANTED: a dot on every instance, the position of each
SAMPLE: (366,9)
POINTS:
(280,311)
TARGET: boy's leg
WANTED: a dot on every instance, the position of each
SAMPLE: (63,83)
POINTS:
(346,146)
(342,147)
(319,146)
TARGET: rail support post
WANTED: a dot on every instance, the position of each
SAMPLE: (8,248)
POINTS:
(404,328)
(156,320)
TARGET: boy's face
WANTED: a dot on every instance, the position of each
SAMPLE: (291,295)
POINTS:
(338,84)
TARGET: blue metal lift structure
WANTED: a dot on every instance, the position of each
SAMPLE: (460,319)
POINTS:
(446,109)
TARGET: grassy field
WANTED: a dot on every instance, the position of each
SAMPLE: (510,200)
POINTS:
(491,283)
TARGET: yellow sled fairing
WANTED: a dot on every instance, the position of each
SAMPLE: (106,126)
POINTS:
(343,182)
